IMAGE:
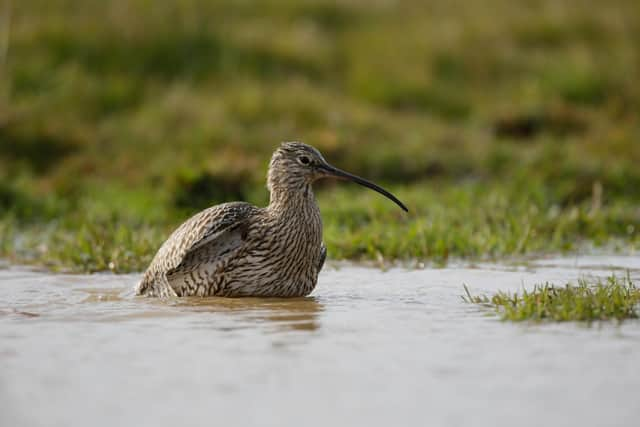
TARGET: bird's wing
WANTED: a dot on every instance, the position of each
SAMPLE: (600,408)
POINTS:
(212,247)
(213,232)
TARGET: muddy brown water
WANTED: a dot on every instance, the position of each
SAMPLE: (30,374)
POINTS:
(368,348)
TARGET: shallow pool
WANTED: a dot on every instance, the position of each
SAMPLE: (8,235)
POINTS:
(371,348)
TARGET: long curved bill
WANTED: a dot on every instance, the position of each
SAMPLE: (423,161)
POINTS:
(333,171)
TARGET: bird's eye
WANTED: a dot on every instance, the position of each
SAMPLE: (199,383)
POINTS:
(304,160)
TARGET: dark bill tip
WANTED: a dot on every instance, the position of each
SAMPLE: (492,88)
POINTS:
(330,170)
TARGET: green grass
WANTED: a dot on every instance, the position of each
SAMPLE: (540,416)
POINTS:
(507,129)
(472,220)
(611,299)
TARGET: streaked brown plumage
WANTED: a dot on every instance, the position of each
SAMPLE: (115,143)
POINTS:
(236,249)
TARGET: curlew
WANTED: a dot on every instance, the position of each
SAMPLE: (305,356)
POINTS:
(236,249)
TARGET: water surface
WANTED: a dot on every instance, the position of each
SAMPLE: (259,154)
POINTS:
(369,348)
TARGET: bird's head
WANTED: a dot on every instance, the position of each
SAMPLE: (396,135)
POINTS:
(295,166)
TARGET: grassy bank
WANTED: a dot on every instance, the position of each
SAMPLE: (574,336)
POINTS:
(470,220)
(506,128)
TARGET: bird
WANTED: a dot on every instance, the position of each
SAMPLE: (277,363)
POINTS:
(238,250)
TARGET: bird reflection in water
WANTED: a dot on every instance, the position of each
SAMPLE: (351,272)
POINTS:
(283,313)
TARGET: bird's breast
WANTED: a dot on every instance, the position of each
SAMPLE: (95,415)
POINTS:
(281,258)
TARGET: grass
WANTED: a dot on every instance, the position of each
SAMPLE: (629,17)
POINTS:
(611,299)
(471,220)
(506,129)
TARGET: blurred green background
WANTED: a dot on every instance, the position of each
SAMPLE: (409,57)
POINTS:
(508,127)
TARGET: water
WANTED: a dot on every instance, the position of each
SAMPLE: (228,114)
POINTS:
(368,348)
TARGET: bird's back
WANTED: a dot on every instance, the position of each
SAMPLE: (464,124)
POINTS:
(197,232)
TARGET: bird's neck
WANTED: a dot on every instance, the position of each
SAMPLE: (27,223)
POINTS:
(295,218)
(293,201)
